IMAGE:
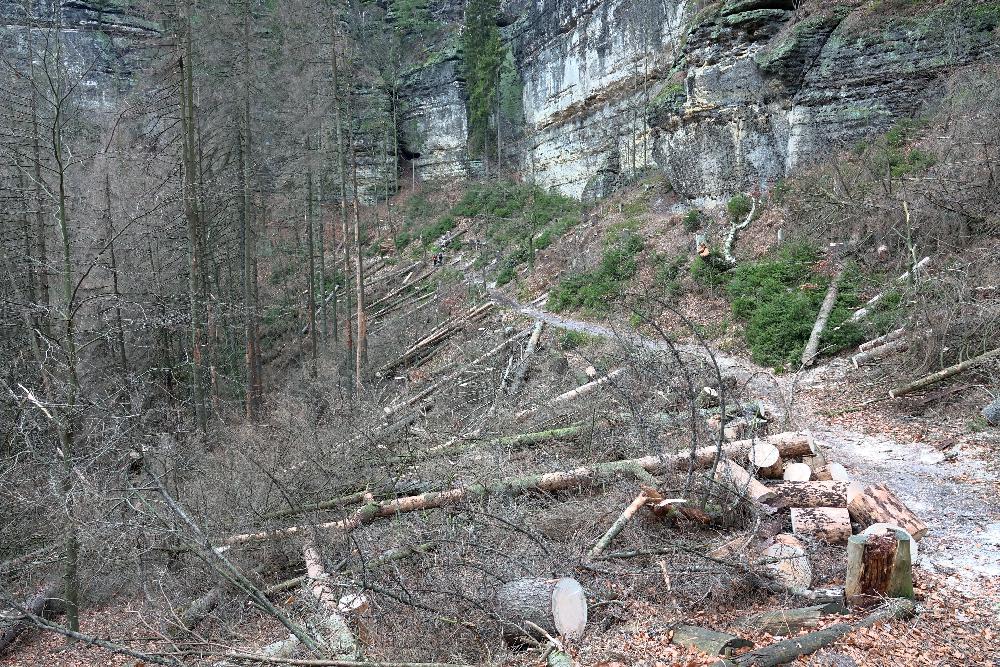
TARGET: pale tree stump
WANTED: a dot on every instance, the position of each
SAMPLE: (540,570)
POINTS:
(556,606)
(878,566)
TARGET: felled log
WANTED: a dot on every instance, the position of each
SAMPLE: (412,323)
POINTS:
(862,313)
(879,352)
(786,562)
(557,606)
(789,650)
(878,566)
(581,477)
(830,524)
(765,460)
(440,334)
(878,504)
(618,525)
(790,621)
(449,377)
(586,389)
(387,557)
(735,477)
(339,639)
(811,351)
(522,367)
(943,374)
(809,494)
(42,604)
(797,472)
(882,340)
(832,472)
(707,641)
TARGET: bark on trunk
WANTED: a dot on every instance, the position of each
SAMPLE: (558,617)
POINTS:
(879,352)
(739,480)
(878,504)
(522,369)
(882,340)
(809,494)
(789,621)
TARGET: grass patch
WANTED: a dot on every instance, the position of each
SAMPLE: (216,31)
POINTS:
(597,289)
(571,340)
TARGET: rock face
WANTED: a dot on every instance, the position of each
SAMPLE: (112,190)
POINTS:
(724,100)
(721,97)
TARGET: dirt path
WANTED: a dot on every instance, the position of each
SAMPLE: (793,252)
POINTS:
(955,497)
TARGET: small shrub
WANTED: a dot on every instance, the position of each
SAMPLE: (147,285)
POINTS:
(738,207)
(692,220)
(595,290)
(402,240)
(571,340)
(706,273)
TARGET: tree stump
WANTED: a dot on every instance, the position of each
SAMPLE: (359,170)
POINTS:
(883,528)
(830,524)
(557,606)
(878,504)
(878,566)
(766,460)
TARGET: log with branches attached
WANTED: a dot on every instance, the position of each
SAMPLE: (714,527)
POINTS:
(829,524)
(547,607)
(43,604)
(517,441)
(809,494)
(426,345)
(878,504)
(450,377)
(812,347)
(789,650)
(618,525)
(944,374)
(522,368)
(878,566)
(790,444)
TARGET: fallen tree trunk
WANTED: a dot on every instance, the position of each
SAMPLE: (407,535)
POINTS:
(896,334)
(734,477)
(707,641)
(832,472)
(556,606)
(437,336)
(41,604)
(338,637)
(879,352)
(944,374)
(809,494)
(790,649)
(434,386)
(812,347)
(878,504)
(789,621)
(830,524)
(553,481)
(878,566)
(586,389)
(522,367)
(618,525)
(390,556)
